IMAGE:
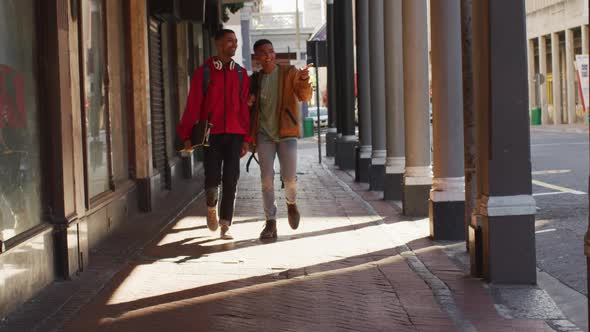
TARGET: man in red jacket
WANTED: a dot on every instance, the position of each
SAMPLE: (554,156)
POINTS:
(222,100)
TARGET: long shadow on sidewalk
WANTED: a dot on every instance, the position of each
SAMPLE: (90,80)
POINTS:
(344,294)
(189,250)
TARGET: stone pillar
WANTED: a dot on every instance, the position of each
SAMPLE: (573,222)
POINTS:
(332,132)
(346,144)
(418,172)
(585,40)
(394,85)
(532,81)
(570,75)
(364,150)
(506,206)
(377,64)
(62,151)
(543,87)
(447,197)
(469,130)
(246,13)
(556,71)
(140,102)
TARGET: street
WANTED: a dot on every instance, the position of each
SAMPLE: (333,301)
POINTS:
(560,186)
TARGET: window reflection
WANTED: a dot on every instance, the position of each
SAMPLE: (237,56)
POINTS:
(20,183)
(94,103)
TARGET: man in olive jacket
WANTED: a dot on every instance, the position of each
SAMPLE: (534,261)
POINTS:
(277,91)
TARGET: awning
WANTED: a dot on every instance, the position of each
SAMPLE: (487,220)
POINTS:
(320,34)
(203,11)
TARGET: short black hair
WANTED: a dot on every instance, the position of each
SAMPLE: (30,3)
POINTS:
(261,42)
(221,33)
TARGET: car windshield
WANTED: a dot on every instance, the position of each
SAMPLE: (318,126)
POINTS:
(313,111)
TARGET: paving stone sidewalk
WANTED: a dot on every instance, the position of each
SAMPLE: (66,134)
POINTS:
(355,264)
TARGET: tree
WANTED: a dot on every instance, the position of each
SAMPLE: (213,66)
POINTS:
(232,8)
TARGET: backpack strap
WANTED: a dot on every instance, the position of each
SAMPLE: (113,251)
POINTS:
(240,77)
(252,156)
(206,79)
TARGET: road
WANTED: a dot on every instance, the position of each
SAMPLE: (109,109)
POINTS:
(560,187)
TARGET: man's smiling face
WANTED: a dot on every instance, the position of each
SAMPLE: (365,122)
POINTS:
(265,55)
(228,44)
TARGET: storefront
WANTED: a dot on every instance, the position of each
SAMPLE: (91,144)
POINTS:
(86,142)
(20,150)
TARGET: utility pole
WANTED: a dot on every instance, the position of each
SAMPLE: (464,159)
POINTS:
(297,57)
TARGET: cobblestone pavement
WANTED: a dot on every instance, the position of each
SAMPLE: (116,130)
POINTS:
(355,264)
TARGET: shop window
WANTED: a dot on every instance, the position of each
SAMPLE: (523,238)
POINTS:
(94,98)
(20,162)
(118,73)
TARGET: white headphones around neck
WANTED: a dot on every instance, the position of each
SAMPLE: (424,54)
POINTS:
(219,65)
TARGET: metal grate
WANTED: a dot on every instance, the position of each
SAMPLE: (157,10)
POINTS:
(158,111)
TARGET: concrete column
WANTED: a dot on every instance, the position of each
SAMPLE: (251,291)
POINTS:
(377,64)
(556,71)
(570,75)
(543,87)
(140,102)
(418,172)
(246,13)
(332,132)
(394,93)
(563,76)
(363,163)
(532,82)
(447,197)
(346,144)
(585,40)
(506,206)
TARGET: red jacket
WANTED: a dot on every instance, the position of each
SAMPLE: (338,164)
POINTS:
(230,114)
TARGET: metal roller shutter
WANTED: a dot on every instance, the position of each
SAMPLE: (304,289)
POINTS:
(158,112)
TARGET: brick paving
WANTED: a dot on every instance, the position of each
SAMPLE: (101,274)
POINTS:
(355,264)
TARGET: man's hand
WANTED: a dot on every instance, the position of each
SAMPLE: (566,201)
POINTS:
(304,72)
(251,100)
(245,149)
(188,145)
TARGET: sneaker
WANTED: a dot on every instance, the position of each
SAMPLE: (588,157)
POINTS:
(293,214)
(212,222)
(225,234)
(270,230)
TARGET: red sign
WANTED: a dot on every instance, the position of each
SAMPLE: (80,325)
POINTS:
(12,98)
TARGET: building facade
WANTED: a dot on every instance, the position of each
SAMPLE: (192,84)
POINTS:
(91,92)
(557,31)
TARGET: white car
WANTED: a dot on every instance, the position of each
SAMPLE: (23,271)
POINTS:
(323,116)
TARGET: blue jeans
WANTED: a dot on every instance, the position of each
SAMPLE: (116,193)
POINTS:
(287,152)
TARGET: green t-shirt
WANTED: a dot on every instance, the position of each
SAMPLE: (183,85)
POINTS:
(269,99)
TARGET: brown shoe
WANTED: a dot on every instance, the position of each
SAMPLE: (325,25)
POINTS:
(225,234)
(212,222)
(270,230)
(293,214)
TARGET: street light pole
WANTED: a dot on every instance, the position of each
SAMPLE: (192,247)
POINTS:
(587,253)
(317,97)
(297,30)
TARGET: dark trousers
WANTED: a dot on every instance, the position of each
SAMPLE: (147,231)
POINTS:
(222,166)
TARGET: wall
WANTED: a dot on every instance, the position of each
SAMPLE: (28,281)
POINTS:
(547,16)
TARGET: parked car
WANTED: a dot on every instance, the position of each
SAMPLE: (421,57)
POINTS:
(323,116)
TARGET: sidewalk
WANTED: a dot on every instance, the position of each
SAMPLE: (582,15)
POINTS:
(354,264)
(579,128)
